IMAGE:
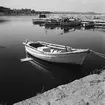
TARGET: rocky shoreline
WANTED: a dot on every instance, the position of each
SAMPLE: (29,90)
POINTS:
(89,90)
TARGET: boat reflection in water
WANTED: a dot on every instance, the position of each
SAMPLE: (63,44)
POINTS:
(40,67)
(38,24)
(63,73)
(64,29)
(52,27)
(100,29)
(68,29)
(3,20)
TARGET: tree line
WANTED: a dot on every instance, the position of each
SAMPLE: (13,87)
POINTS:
(9,11)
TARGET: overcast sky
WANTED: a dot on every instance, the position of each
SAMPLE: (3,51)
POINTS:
(57,5)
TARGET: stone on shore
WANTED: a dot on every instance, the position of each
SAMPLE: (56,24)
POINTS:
(89,90)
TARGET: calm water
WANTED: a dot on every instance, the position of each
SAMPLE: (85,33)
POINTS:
(19,81)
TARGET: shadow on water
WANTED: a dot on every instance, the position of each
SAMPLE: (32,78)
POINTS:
(92,64)
(67,29)
(30,77)
(95,29)
(70,72)
(3,21)
(1,47)
(52,27)
(38,24)
(63,72)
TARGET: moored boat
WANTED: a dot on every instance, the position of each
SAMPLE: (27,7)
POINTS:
(40,19)
(70,22)
(55,53)
(51,22)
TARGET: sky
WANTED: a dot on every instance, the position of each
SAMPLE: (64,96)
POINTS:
(57,5)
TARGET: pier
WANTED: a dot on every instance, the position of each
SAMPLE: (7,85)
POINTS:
(90,20)
(94,23)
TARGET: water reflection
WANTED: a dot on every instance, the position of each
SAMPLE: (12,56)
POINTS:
(28,78)
(1,47)
(3,21)
(38,24)
(39,66)
(62,72)
(67,29)
(99,29)
(51,27)
(96,29)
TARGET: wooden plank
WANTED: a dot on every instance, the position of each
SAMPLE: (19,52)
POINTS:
(51,44)
(26,59)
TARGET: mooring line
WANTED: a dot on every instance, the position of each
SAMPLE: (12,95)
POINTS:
(99,54)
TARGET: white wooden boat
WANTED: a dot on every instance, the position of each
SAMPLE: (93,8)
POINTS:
(55,53)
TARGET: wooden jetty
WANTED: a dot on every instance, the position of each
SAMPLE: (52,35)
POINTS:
(95,23)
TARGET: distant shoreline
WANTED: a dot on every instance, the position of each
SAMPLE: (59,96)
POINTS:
(4,11)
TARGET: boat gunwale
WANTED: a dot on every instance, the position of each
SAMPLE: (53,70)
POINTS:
(61,53)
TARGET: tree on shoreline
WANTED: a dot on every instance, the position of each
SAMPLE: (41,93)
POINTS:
(9,11)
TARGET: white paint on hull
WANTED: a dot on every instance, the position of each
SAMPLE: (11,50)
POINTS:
(74,58)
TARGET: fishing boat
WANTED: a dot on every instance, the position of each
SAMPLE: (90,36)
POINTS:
(70,22)
(55,53)
(40,19)
(51,22)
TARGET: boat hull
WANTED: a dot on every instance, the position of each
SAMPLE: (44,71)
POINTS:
(73,58)
(40,20)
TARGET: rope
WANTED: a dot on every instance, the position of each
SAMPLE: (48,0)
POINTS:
(99,54)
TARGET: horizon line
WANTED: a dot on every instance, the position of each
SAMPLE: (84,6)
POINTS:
(56,11)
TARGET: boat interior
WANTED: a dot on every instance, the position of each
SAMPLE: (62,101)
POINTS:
(50,48)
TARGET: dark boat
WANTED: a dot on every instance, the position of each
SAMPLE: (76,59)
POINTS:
(70,22)
(51,22)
